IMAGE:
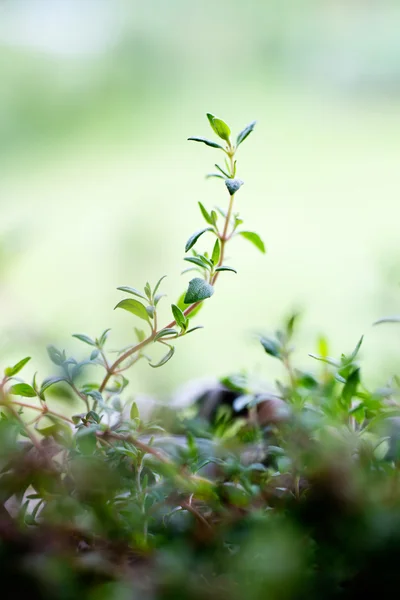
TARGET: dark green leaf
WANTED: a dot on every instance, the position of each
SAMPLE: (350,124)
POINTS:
(169,331)
(11,371)
(206,215)
(224,268)
(179,317)
(182,306)
(233,185)
(350,387)
(22,389)
(219,127)
(135,307)
(198,290)
(84,338)
(194,328)
(271,347)
(165,359)
(245,133)
(94,354)
(193,238)
(131,290)
(216,253)
(254,238)
(206,142)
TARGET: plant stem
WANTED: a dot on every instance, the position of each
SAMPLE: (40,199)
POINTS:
(44,412)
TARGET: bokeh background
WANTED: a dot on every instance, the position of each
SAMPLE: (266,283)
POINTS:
(99,187)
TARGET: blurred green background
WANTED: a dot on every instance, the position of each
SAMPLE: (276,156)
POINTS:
(99,187)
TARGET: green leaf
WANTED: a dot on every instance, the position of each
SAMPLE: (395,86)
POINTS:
(94,354)
(135,307)
(103,337)
(131,290)
(168,331)
(233,185)
(158,284)
(216,253)
(165,359)
(147,291)
(179,317)
(182,306)
(224,173)
(271,347)
(11,371)
(206,142)
(84,338)
(206,215)
(196,261)
(158,297)
(150,311)
(193,238)
(394,319)
(254,238)
(134,414)
(198,290)
(22,389)
(219,127)
(57,357)
(194,328)
(49,382)
(350,387)
(86,440)
(356,349)
(245,133)
(216,175)
(224,268)
(140,334)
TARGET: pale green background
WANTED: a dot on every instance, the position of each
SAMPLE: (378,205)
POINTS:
(99,186)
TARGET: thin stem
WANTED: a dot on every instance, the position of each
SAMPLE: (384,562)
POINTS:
(44,412)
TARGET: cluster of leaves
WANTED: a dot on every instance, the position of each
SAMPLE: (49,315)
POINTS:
(293,493)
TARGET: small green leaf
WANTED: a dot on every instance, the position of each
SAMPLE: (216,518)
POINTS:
(254,238)
(11,371)
(103,337)
(214,217)
(94,354)
(131,290)
(193,238)
(49,382)
(158,297)
(140,334)
(196,261)
(194,328)
(86,440)
(158,284)
(350,387)
(134,414)
(206,215)
(219,127)
(179,317)
(147,291)
(135,307)
(224,173)
(216,253)
(356,349)
(198,290)
(233,185)
(271,347)
(22,389)
(56,356)
(206,142)
(165,359)
(150,311)
(394,319)
(245,133)
(224,268)
(216,175)
(168,331)
(84,338)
